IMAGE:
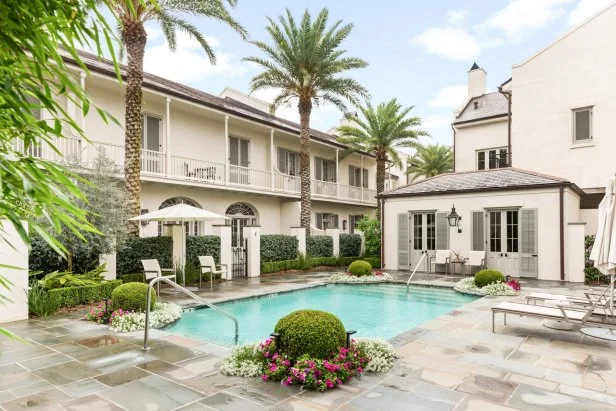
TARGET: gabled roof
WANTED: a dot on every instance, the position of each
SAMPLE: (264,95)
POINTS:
(489,106)
(475,66)
(227,105)
(502,179)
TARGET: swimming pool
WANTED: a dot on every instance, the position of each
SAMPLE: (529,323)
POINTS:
(374,310)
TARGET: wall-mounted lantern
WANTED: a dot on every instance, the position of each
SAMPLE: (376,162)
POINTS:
(454,219)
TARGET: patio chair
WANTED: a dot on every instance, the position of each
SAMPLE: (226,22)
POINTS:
(208,265)
(152,270)
(441,257)
(475,259)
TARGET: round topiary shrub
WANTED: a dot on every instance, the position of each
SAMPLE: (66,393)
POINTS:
(360,268)
(132,297)
(486,277)
(313,332)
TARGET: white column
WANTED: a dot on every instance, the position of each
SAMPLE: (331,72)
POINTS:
(362,250)
(334,233)
(574,263)
(178,234)
(226,149)
(253,252)
(272,156)
(226,254)
(168,132)
(361,167)
(15,255)
(82,81)
(110,265)
(337,175)
(300,233)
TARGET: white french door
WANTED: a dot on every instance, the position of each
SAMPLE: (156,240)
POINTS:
(503,241)
(423,239)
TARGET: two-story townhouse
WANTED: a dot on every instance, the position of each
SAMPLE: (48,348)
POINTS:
(224,153)
(531,163)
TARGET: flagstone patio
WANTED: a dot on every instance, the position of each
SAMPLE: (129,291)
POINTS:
(453,362)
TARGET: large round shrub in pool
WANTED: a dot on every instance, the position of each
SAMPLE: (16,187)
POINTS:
(487,277)
(360,268)
(313,332)
(132,297)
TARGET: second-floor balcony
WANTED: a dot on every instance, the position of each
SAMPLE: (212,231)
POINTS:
(155,164)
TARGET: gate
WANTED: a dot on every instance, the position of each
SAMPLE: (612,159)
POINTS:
(240,260)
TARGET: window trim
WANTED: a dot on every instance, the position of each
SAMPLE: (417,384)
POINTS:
(323,162)
(486,160)
(365,181)
(587,141)
(239,154)
(287,152)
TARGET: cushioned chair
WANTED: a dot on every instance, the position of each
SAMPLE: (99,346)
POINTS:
(208,265)
(475,259)
(152,270)
(441,257)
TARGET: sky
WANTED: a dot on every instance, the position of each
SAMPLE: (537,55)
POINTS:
(418,51)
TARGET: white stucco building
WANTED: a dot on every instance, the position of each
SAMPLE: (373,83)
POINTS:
(531,163)
(225,153)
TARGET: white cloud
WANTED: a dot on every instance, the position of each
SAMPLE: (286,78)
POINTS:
(586,9)
(457,17)
(521,18)
(453,43)
(449,97)
(189,63)
(436,121)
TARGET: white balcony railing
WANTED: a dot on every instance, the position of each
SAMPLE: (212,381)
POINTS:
(351,192)
(153,162)
(287,183)
(249,177)
(197,170)
(324,189)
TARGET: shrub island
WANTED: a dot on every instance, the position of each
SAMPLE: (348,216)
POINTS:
(488,282)
(360,272)
(309,350)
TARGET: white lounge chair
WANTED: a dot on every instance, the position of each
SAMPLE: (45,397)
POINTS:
(475,259)
(573,299)
(151,270)
(208,265)
(441,257)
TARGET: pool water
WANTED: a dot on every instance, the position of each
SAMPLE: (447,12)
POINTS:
(374,310)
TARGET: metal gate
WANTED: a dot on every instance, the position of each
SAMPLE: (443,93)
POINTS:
(240,260)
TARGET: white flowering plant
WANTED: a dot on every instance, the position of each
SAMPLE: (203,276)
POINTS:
(245,360)
(376,277)
(467,286)
(163,314)
(381,353)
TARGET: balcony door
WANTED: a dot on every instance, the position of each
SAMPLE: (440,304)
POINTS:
(504,241)
(151,159)
(239,150)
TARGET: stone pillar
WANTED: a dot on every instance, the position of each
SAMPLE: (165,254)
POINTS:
(253,253)
(334,233)
(110,267)
(363,241)
(15,255)
(179,249)
(575,260)
(226,252)
(300,233)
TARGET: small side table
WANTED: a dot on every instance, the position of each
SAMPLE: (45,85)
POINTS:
(459,262)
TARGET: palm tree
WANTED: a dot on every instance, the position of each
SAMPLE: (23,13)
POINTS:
(132,16)
(380,132)
(304,63)
(430,161)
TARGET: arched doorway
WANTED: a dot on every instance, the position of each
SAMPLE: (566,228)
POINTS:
(241,215)
(192,227)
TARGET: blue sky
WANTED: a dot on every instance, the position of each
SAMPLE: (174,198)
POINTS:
(418,51)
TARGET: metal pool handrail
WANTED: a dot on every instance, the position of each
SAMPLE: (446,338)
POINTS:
(190,294)
(415,270)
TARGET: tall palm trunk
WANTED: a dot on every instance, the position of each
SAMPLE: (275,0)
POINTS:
(305,108)
(380,181)
(134,38)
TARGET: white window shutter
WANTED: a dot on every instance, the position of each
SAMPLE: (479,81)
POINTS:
(336,221)
(403,241)
(529,259)
(318,171)
(319,218)
(442,231)
(282,160)
(365,177)
(234,152)
(244,147)
(477,241)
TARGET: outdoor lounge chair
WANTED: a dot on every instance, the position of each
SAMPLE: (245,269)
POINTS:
(151,270)
(586,300)
(208,265)
(441,257)
(475,259)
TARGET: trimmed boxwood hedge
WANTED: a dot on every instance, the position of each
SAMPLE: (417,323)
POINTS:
(201,245)
(350,245)
(276,266)
(136,249)
(43,258)
(133,297)
(132,278)
(375,262)
(73,296)
(278,247)
(319,246)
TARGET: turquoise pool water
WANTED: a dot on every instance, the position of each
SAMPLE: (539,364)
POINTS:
(374,310)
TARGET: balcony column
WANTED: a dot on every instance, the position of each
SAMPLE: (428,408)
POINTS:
(337,175)
(272,155)
(226,149)
(168,135)
(361,167)
(82,82)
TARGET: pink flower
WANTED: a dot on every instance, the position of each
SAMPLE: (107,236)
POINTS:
(264,377)
(273,367)
(286,363)
(329,383)
(359,369)
(266,355)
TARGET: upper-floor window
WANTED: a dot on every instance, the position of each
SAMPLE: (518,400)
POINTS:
(582,125)
(492,158)
(150,132)
(353,220)
(358,177)
(325,170)
(288,162)
(326,220)
(239,150)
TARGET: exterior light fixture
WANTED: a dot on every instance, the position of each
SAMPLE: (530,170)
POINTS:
(344,225)
(454,219)
(348,338)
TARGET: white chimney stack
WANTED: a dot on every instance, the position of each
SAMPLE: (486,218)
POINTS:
(476,81)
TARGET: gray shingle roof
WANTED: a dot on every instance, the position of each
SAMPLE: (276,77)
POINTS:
(488,106)
(228,105)
(474,181)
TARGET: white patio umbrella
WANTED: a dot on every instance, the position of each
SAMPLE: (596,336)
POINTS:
(604,250)
(180,213)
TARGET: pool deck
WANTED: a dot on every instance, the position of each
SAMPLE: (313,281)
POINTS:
(453,362)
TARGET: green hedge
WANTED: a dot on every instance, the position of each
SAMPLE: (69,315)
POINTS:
(350,245)
(323,261)
(298,264)
(202,245)
(132,278)
(375,262)
(278,247)
(346,261)
(43,258)
(275,266)
(319,246)
(136,249)
(73,296)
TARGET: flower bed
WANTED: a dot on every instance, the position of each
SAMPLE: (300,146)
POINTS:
(381,354)
(467,286)
(162,315)
(376,277)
